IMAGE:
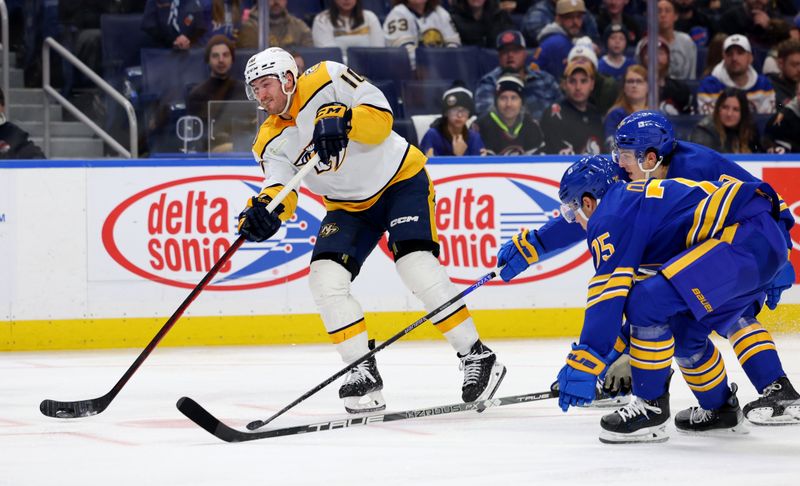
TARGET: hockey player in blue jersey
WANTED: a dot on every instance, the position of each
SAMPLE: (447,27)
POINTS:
(717,247)
(646,147)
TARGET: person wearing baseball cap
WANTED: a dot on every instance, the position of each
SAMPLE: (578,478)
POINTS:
(736,71)
(543,12)
(573,125)
(449,134)
(540,88)
(558,37)
(508,129)
(606,88)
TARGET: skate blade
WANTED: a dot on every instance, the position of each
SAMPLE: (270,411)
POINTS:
(763,416)
(498,373)
(740,429)
(654,434)
(371,402)
(615,402)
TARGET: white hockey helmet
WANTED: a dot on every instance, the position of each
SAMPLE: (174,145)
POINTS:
(272,61)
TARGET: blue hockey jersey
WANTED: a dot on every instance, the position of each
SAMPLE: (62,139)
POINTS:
(644,224)
(689,161)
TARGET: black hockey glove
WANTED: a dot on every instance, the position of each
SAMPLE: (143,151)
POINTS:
(256,223)
(331,126)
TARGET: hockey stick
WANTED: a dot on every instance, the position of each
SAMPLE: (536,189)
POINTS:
(93,406)
(200,416)
(260,423)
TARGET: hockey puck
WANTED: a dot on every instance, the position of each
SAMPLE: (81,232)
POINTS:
(64,413)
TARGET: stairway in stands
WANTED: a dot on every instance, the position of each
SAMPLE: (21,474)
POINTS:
(69,139)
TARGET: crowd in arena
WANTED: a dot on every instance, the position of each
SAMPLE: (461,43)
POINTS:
(521,77)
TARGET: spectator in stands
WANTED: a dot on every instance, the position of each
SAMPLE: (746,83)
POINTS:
(449,134)
(80,29)
(544,12)
(557,38)
(682,49)
(15,143)
(632,98)
(606,89)
(613,12)
(179,30)
(479,22)
(714,53)
(573,126)
(786,81)
(760,20)
(674,96)
(691,16)
(730,128)
(285,30)
(508,129)
(614,63)
(541,89)
(226,19)
(413,23)
(782,129)
(346,24)
(298,59)
(220,86)
(736,71)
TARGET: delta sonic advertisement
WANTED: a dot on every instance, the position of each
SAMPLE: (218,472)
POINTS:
(161,230)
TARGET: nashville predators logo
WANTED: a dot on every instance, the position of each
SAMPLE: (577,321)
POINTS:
(328,229)
(432,38)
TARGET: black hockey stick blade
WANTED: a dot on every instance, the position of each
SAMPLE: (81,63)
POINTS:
(93,406)
(257,424)
(200,416)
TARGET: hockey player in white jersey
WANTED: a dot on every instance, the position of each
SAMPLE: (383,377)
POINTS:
(372,181)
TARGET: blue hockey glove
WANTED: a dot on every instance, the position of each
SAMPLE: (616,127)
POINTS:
(577,380)
(331,127)
(255,222)
(782,281)
(518,254)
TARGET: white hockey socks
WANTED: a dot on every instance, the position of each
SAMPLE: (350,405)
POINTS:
(425,277)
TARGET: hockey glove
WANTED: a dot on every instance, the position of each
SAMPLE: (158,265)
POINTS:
(577,380)
(331,127)
(518,254)
(256,223)
(782,281)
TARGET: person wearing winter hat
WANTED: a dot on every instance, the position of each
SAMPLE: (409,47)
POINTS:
(614,63)
(606,88)
(508,129)
(448,134)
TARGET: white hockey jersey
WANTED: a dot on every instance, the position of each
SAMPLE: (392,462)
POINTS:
(403,27)
(374,159)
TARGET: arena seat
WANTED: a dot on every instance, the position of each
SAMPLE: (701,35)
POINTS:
(449,63)
(423,97)
(314,55)
(305,9)
(378,63)
(405,128)
(391,91)
(166,72)
(122,40)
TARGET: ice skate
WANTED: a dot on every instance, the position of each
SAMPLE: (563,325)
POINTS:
(362,387)
(725,420)
(639,421)
(482,373)
(779,405)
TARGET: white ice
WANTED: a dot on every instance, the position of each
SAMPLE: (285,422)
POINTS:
(142,439)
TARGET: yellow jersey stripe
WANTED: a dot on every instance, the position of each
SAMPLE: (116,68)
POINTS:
(349,331)
(743,331)
(755,350)
(651,366)
(453,320)
(710,385)
(760,337)
(712,361)
(653,345)
(689,258)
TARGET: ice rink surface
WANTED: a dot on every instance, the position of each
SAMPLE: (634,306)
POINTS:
(142,439)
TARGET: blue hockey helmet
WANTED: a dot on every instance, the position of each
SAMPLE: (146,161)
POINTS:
(644,130)
(589,175)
